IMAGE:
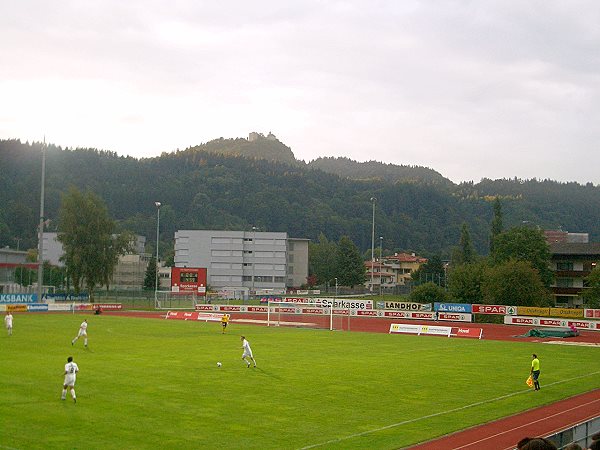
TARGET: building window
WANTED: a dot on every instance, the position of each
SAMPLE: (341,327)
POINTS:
(290,258)
(564,265)
(564,282)
(263,279)
(247,264)
(246,278)
(279,279)
(291,246)
(247,252)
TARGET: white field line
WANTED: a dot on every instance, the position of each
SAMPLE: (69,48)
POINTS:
(533,422)
(440,413)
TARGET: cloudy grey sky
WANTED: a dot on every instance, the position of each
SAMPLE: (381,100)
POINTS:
(472,89)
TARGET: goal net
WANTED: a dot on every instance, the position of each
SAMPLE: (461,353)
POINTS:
(176,300)
(309,314)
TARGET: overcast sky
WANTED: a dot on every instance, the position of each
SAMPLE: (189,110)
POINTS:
(472,89)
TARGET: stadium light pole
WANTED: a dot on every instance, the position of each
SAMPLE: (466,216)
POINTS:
(253,256)
(380,259)
(40,280)
(373,201)
(157,204)
(336,288)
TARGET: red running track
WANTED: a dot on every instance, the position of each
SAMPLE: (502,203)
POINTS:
(504,434)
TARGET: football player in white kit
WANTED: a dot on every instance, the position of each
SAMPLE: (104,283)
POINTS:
(8,320)
(247,352)
(71,370)
(82,332)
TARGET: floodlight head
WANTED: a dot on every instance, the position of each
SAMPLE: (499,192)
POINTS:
(157,204)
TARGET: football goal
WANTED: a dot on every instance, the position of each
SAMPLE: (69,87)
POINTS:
(306,314)
(176,300)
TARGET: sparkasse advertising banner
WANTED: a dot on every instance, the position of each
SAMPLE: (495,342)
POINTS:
(335,302)
(18,298)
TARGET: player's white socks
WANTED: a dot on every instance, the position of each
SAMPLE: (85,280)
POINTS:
(85,342)
(73,394)
(64,394)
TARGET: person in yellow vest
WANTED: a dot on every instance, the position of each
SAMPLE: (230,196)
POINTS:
(535,371)
(224,321)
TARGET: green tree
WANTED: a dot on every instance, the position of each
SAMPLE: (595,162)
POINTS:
(591,296)
(322,260)
(150,277)
(514,282)
(350,267)
(25,276)
(496,227)
(524,244)
(87,233)
(432,271)
(428,293)
(54,275)
(465,252)
(464,282)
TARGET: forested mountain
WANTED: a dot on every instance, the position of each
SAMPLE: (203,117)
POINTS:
(202,187)
(373,170)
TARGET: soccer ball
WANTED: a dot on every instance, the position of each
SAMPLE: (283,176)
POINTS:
(219,364)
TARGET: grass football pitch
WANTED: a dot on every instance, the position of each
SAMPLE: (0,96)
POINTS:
(148,383)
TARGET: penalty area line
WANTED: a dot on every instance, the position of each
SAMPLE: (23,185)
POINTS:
(440,413)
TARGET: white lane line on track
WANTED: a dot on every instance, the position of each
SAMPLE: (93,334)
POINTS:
(543,419)
(441,413)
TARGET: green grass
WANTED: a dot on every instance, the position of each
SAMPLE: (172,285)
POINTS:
(146,383)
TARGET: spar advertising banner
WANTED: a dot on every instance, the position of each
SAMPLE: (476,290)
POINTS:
(455,317)
(494,309)
(407,306)
(452,307)
(547,322)
(410,315)
(592,313)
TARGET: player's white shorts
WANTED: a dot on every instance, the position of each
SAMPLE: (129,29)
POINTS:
(69,379)
(82,333)
(247,353)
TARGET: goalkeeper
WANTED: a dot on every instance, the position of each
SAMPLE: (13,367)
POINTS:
(224,321)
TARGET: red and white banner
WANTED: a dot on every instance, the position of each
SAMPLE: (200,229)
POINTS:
(455,317)
(494,309)
(591,313)
(545,322)
(185,315)
(109,306)
(468,332)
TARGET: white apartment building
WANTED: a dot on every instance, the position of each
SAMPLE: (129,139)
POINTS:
(244,260)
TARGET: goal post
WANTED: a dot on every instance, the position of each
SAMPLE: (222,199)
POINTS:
(169,300)
(290,310)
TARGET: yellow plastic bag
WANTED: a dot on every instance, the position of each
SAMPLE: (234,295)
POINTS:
(529,381)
